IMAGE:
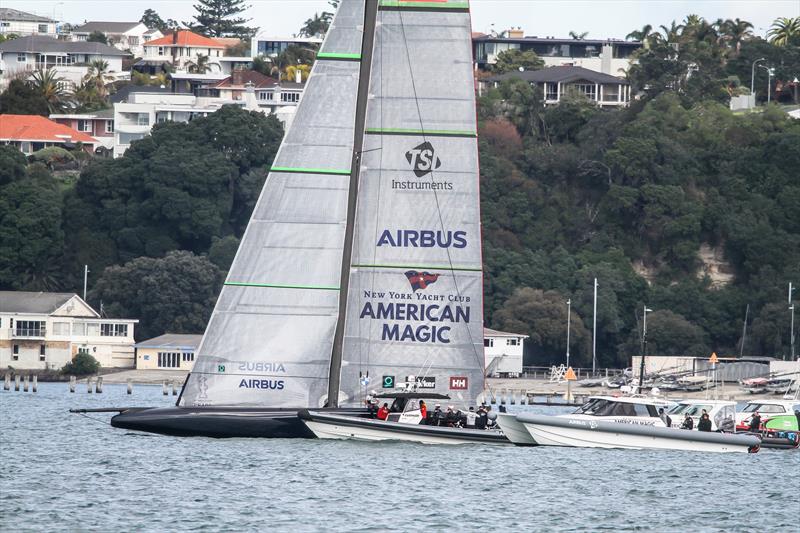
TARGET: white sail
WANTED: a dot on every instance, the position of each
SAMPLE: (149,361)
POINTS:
(269,339)
(415,292)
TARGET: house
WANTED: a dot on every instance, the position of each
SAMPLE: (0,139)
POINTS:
(503,353)
(71,60)
(98,124)
(609,56)
(263,45)
(168,351)
(19,23)
(556,82)
(30,133)
(46,330)
(182,47)
(122,35)
(271,94)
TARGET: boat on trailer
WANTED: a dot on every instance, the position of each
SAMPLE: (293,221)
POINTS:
(404,423)
(624,422)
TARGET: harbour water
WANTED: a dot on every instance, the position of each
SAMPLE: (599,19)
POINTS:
(64,472)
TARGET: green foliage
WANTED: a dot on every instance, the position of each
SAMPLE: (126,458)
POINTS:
(175,293)
(97,37)
(52,156)
(218,18)
(20,98)
(83,364)
(514,60)
(668,333)
(12,164)
(152,20)
(223,251)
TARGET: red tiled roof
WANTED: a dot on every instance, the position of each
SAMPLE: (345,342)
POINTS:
(187,38)
(38,128)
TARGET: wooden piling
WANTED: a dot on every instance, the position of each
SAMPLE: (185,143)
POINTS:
(89,384)
(35,383)
(25,383)
(72,381)
(129,382)
(174,389)
(98,385)
(16,382)
(7,382)
(164,388)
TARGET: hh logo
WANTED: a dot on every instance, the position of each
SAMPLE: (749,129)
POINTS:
(423,159)
(420,280)
(458,383)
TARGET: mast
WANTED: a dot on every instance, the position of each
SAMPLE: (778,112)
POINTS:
(367,44)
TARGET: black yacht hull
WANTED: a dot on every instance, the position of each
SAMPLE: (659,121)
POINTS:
(219,422)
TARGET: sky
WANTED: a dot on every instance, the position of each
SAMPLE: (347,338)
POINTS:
(601,18)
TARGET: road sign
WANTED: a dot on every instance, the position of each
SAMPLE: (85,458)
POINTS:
(388,382)
(570,375)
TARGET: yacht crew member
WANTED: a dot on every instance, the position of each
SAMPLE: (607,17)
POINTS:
(688,422)
(438,415)
(372,406)
(383,412)
(482,419)
(755,423)
(665,417)
(705,423)
(423,410)
(471,417)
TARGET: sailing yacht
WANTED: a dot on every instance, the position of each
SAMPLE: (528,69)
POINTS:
(362,258)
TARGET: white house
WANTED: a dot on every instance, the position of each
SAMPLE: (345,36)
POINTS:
(70,60)
(45,330)
(270,46)
(168,351)
(182,47)
(555,83)
(13,21)
(503,353)
(122,35)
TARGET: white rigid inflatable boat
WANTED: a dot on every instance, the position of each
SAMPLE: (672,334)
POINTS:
(625,422)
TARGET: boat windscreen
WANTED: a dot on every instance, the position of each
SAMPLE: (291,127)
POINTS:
(690,409)
(588,407)
(763,408)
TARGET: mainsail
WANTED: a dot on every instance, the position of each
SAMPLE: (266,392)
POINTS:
(414,303)
(269,339)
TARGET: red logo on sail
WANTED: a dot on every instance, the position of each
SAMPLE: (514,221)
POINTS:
(420,280)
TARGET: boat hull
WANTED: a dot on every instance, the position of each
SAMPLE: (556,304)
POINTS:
(564,431)
(219,422)
(515,430)
(337,426)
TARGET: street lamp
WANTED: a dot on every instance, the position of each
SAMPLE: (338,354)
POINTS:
(644,346)
(569,319)
(753,75)
(770,73)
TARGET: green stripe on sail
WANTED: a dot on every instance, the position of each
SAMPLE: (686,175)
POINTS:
(411,131)
(421,267)
(300,170)
(426,4)
(335,55)
(279,286)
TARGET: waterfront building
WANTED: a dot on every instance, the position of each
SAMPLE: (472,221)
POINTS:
(130,36)
(13,21)
(608,56)
(46,330)
(167,351)
(98,124)
(181,49)
(557,82)
(30,133)
(503,353)
(70,60)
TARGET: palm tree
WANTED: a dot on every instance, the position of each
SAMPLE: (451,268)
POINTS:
(317,25)
(735,31)
(672,33)
(578,36)
(87,98)
(199,65)
(99,76)
(52,87)
(784,30)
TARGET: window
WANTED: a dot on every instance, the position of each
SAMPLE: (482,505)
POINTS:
(133,41)
(84,125)
(488,343)
(168,359)
(161,50)
(22,58)
(16,349)
(42,352)
(586,88)
(83,350)
(79,328)
(92,329)
(264,95)
(61,328)
(42,28)
(188,357)
(114,330)
(551,91)
(290,97)
(512,342)
(142,119)
(30,328)
(109,126)
(641,410)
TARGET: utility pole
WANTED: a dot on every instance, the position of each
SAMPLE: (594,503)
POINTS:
(85,279)
(569,318)
(594,331)
(644,347)
(753,79)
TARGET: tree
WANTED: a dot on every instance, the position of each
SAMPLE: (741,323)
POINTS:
(12,164)
(578,36)
(199,65)
(97,37)
(83,364)
(97,74)
(51,87)
(152,20)
(784,31)
(643,36)
(736,31)
(514,60)
(217,18)
(316,26)
(223,251)
(21,98)
(87,98)
(668,333)
(175,293)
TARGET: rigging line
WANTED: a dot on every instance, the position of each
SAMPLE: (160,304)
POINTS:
(478,357)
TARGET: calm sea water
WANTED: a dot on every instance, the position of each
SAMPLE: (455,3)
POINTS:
(64,472)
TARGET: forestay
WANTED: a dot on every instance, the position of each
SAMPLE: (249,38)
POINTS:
(415,294)
(269,339)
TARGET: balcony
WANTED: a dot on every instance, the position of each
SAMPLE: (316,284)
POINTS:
(28,333)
